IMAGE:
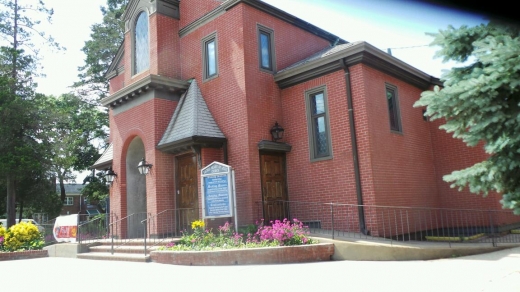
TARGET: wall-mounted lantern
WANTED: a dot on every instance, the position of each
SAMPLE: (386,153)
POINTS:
(110,176)
(144,167)
(277,132)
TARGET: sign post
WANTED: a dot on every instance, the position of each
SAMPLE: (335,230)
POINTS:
(218,192)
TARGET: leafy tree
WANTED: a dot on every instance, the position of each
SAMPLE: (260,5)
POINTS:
(20,128)
(72,128)
(96,188)
(100,50)
(480,103)
(37,194)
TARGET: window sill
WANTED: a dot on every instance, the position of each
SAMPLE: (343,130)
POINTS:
(209,78)
(318,159)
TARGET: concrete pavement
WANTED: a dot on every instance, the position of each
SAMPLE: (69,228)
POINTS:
(497,271)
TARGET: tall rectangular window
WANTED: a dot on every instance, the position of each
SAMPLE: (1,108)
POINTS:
(393,108)
(209,57)
(141,44)
(266,49)
(318,124)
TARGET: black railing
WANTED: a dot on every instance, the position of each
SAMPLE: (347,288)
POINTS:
(398,223)
(127,230)
(166,225)
(95,228)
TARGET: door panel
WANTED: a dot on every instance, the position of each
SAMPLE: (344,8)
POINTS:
(187,191)
(273,186)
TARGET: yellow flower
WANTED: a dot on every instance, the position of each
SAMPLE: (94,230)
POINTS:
(18,235)
(197,223)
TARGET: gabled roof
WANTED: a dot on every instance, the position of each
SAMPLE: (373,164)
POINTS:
(105,161)
(191,124)
(70,189)
(319,55)
(345,55)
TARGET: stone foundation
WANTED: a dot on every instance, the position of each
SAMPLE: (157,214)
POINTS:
(247,256)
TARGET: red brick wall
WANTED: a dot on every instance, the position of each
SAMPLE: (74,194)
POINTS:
(124,128)
(322,181)
(164,46)
(402,163)
(264,101)
(23,255)
(225,94)
(450,155)
(192,10)
(71,209)
(117,83)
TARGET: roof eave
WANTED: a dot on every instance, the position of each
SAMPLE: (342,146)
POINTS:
(362,52)
(186,143)
(149,82)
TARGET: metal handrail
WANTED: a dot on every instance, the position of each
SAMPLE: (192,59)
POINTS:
(124,236)
(399,223)
(94,225)
(167,224)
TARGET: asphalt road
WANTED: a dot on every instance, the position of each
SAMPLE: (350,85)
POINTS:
(497,271)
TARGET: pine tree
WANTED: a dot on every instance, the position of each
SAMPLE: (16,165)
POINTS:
(480,104)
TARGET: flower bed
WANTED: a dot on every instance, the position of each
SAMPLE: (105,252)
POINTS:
(282,242)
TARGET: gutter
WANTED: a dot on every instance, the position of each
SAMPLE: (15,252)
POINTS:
(355,154)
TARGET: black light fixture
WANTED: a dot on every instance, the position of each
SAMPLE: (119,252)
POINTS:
(110,175)
(144,167)
(277,132)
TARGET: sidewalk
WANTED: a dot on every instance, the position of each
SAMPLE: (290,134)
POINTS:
(497,271)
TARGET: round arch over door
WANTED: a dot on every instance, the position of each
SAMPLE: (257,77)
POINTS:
(135,189)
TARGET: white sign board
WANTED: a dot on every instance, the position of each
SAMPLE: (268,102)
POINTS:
(66,228)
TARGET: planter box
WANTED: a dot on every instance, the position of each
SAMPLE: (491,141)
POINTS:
(247,256)
(23,255)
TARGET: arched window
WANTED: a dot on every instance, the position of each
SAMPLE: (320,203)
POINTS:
(141,44)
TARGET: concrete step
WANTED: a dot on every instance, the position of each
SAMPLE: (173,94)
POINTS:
(127,257)
(124,250)
(136,249)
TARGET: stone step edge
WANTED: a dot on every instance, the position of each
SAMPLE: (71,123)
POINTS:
(126,249)
(134,243)
(114,257)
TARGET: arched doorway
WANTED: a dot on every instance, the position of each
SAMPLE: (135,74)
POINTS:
(135,189)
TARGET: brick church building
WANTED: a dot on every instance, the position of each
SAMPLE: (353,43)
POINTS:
(197,81)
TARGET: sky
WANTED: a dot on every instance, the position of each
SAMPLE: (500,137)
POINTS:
(397,24)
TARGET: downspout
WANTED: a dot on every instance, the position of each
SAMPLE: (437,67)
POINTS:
(355,155)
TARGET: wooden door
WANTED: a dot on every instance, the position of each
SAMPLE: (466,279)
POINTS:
(187,194)
(274,189)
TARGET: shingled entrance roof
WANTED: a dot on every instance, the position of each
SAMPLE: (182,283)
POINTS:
(191,125)
(105,161)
